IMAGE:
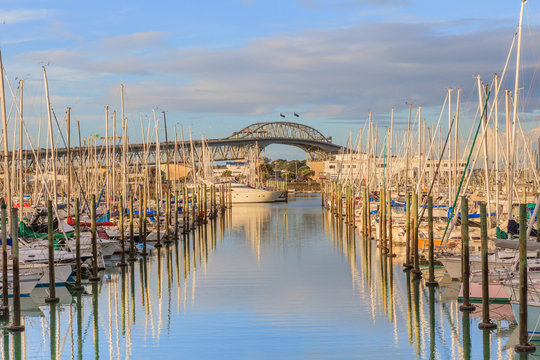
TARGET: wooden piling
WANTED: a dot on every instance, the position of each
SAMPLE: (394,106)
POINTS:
(142,221)
(78,280)
(4,310)
(122,235)
(465,266)
(16,324)
(158,222)
(431,280)
(176,202)
(168,218)
(132,256)
(524,345)
(93,230)
(486,321)
(408,264)
(390,239)
(52,286)
(416,271)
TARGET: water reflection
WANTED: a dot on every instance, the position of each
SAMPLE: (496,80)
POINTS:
(270,281)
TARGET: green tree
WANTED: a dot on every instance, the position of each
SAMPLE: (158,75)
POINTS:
(226,173)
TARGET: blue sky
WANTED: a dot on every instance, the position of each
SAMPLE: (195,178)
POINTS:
(217,66)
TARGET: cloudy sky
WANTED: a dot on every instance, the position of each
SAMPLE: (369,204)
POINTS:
(217,66)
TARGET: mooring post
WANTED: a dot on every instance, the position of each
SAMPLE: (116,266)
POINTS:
(52,286)
(524,345)
(158,221)
(431,280)
(176,215)
(486,321)
(122,235)
(78,280)
(416,271)
(168,218)
(408,264)
(5,286)
(465,266)
(131,228)
(93,230)
(390,236)
(142,213)
(16,324)
(369,214)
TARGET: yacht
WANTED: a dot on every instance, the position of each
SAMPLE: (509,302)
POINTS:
(242,194)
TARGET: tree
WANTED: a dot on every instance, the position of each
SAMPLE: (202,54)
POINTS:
(307,173)
(226,173)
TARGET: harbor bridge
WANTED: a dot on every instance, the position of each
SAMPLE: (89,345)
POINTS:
(235,147)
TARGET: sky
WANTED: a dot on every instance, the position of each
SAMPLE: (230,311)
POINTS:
(217,66)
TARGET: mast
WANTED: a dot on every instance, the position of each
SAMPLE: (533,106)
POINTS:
(484,147)
(107,159)
(496,100)
(508,151)
(390,150)
(456,134)
(21,169)
(124,144)
(7,182)
(114,159)
(514,114)
(68,130)
(450,145)
(51,137)
(407,151)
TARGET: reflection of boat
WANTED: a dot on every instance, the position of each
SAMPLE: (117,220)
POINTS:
(28,280)
(41,293)
(242,193)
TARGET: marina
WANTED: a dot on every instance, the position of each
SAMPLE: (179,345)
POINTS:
(161,198)
(239,286)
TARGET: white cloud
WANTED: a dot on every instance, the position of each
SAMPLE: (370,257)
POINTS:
(25,15)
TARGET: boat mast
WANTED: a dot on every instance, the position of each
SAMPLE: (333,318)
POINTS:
(407,151)
(496,104)
(514,114)
(51,137)
(482,91)
(21,169)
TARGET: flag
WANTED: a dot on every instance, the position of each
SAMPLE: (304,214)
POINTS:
(280,114)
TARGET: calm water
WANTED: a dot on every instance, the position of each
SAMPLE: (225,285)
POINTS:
(278,281)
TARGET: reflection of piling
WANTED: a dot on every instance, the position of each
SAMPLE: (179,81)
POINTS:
(431,280)
(95,311)
(79,326)
(432,345)
(4,310)
(93,229)
(524,345)
(52,288)
(52,330)
(486,321)
(465,266)
(78,286)
(16,324)
(466,336)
